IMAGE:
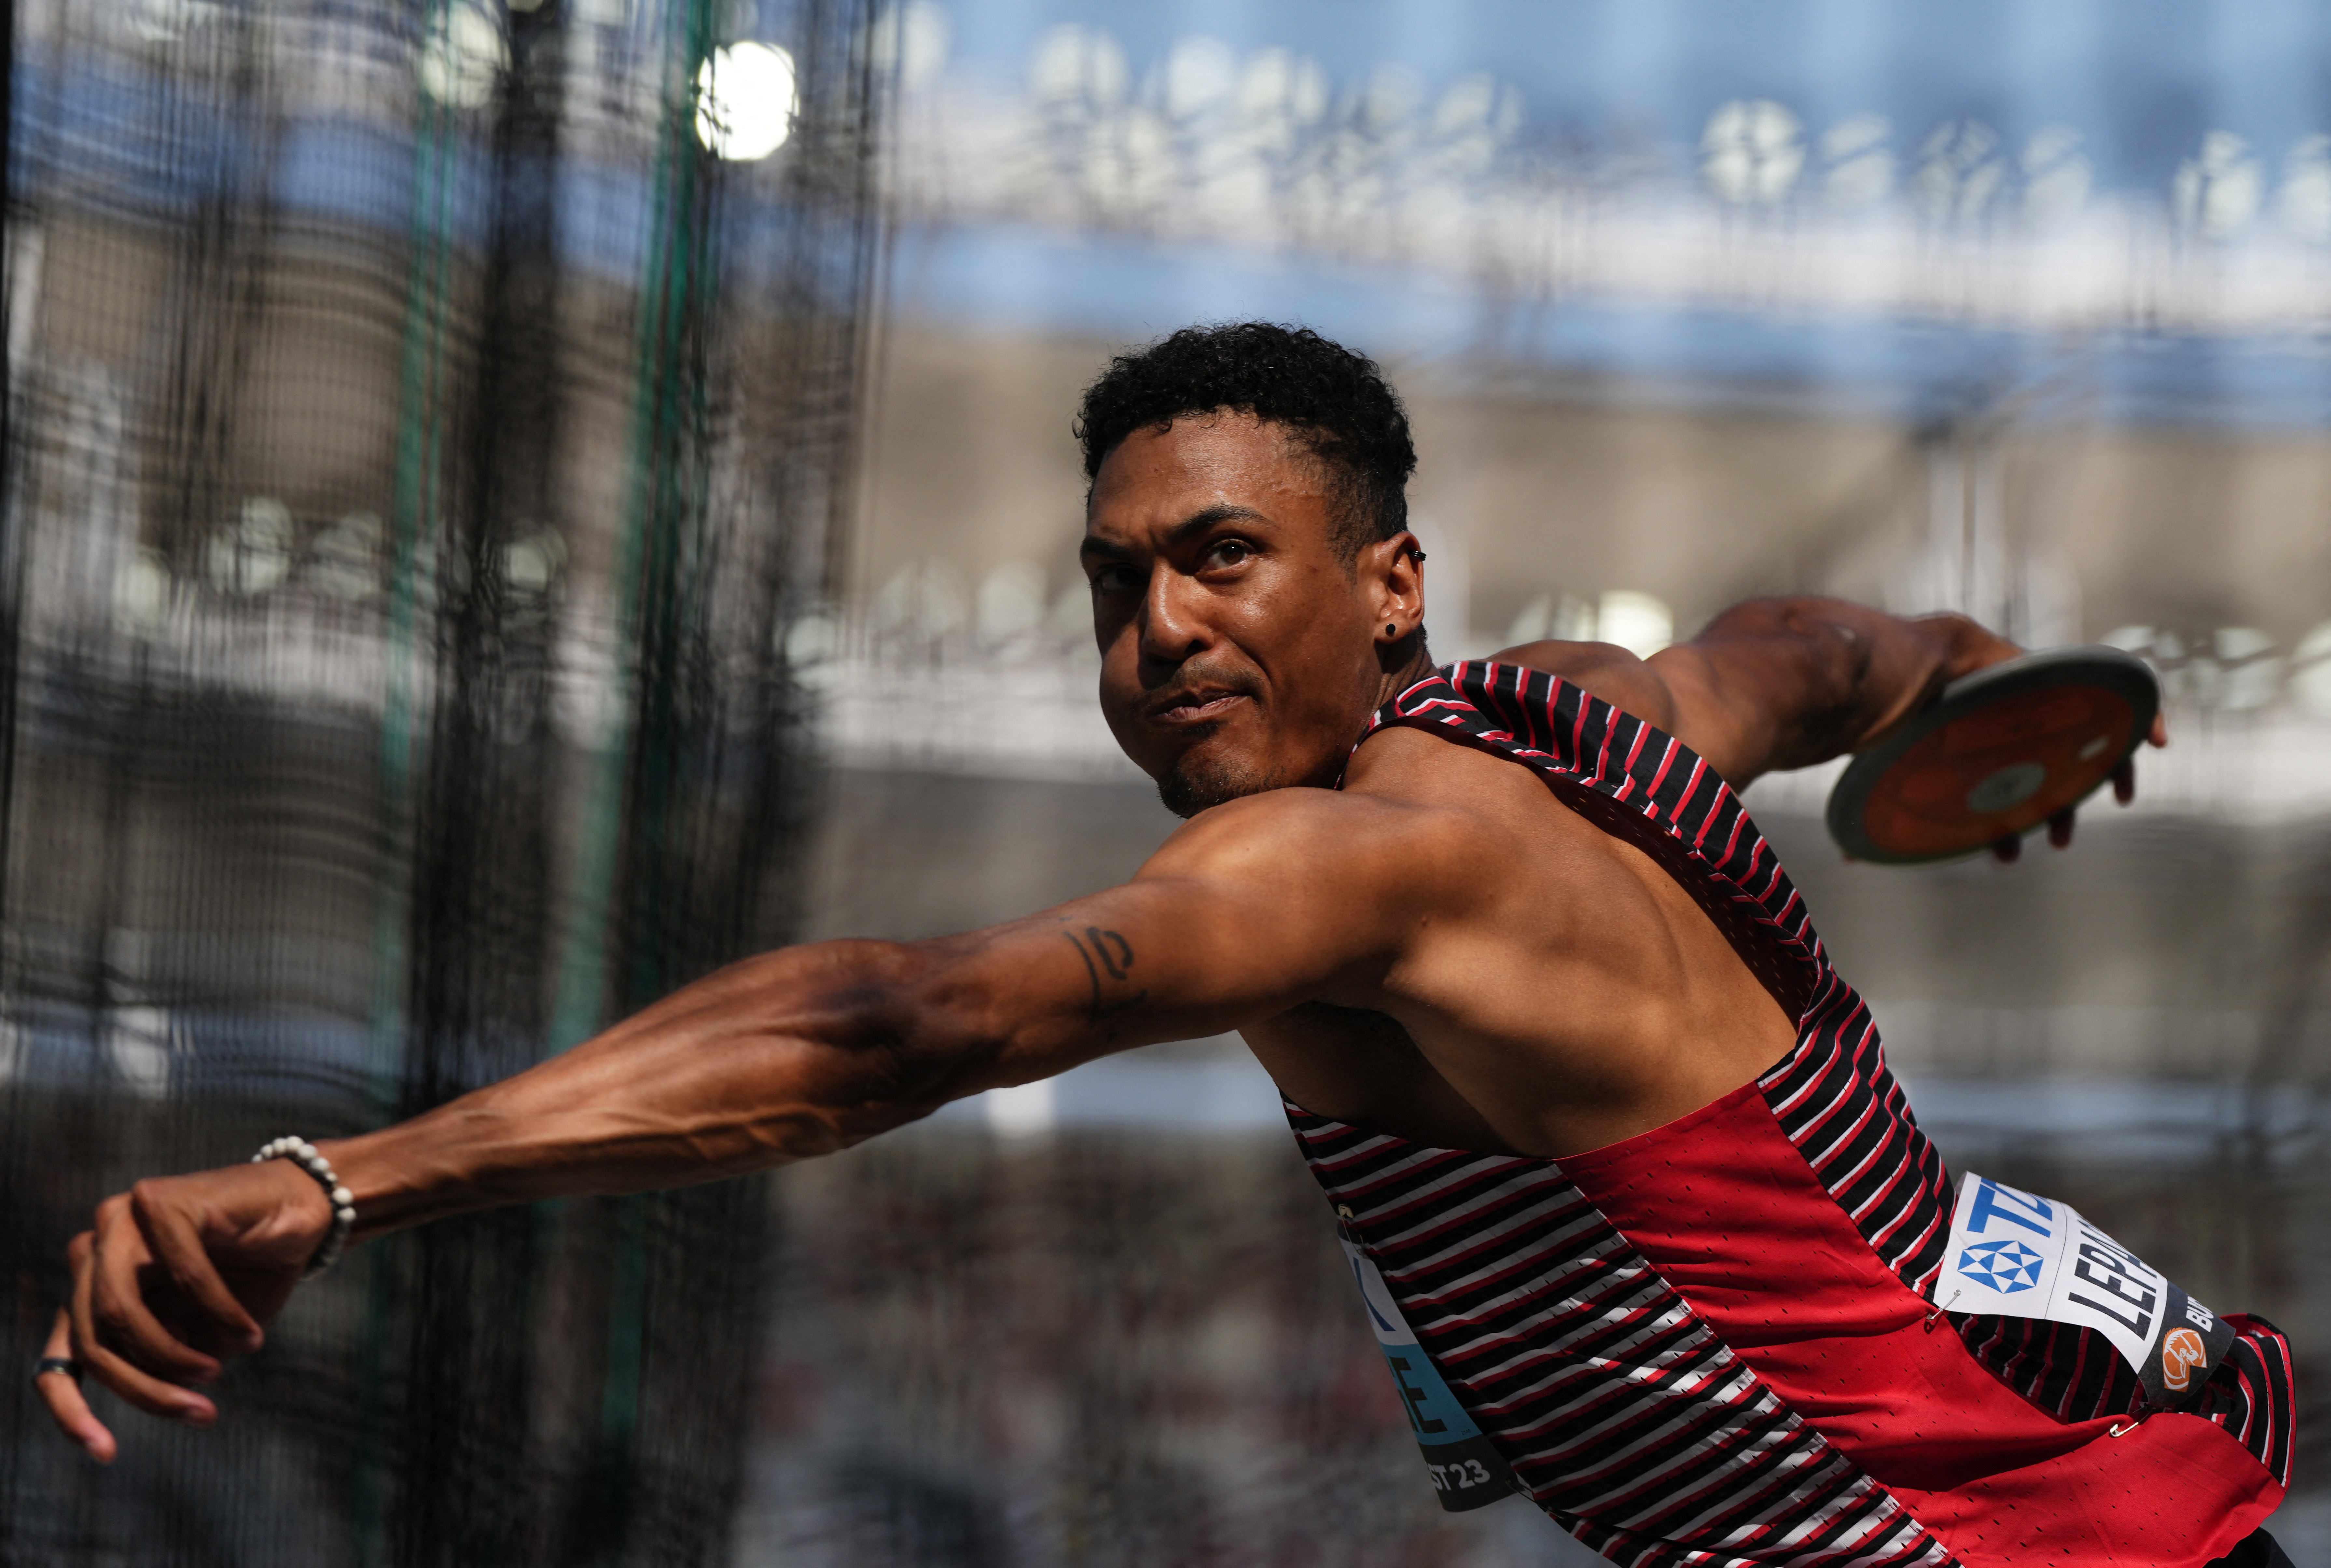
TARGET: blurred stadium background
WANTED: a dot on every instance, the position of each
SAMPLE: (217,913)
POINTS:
(508,506)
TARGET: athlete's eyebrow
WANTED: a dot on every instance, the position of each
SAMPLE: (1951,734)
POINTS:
(1199,522)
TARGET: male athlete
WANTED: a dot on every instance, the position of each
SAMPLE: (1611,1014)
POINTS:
(1642,1220)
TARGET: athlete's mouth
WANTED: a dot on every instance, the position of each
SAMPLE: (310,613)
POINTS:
(1175,708)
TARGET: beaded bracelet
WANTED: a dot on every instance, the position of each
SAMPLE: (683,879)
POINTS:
(344,1211)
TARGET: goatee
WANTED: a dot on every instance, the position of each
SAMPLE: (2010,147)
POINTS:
(1194,784)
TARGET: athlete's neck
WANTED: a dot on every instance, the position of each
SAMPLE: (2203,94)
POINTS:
(1400,674)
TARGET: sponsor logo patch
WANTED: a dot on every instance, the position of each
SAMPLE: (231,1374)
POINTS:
(2006,1266)
(2015,1254)
(2181,1352)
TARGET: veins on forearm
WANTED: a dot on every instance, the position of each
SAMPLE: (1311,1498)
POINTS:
(1106,953)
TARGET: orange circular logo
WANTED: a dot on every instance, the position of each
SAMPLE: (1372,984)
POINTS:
(2181,1352)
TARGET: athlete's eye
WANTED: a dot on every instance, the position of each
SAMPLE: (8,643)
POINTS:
(1115,580)
(1229,553)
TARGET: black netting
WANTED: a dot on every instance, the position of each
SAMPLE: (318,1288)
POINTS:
(424,423)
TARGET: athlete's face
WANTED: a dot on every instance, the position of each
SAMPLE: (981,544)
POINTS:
(1240,651)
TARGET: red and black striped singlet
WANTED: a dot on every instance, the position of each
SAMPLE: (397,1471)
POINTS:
(1713,1344)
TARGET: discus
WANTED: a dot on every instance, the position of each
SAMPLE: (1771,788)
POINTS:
(1998,754)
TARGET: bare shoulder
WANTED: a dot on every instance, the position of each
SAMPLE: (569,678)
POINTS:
(1677,689)
(1607,671)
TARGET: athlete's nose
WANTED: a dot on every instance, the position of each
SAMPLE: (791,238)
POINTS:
(1172,628)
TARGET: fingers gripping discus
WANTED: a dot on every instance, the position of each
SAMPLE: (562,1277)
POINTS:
(1997,754)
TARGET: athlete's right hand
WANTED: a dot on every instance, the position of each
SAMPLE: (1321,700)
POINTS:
(174,1276)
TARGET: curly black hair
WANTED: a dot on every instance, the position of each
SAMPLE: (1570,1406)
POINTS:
(1336,401)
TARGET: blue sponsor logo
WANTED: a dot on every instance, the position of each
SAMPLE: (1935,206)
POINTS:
(2007,1267)
(1994,1201)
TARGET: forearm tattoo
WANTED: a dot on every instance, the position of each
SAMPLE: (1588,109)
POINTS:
(1106,952)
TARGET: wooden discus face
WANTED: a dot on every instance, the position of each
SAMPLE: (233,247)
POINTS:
(2004,769)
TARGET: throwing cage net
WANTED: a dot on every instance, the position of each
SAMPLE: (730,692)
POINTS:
(425,423)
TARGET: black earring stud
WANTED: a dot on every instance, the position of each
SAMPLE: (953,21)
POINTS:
(1390,630)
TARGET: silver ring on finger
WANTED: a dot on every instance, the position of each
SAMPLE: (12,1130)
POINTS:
(63,1363)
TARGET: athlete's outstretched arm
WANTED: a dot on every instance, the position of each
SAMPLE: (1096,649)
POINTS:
(1255,906)
(1773,684)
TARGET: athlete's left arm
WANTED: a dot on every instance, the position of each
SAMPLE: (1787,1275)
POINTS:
(1782,683)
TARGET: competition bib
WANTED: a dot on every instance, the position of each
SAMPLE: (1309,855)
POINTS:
(1466,1469)
(2013,1254)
